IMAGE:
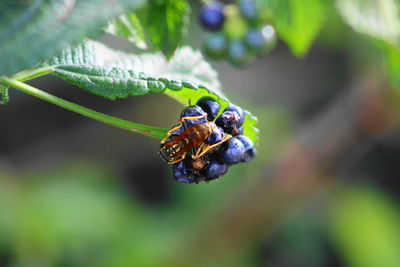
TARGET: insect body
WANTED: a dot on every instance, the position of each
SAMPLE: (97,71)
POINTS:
(190,139)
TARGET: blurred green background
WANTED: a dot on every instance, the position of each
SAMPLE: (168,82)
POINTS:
(322,191)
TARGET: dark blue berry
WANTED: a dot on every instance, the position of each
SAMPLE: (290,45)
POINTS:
(238,54)
(193,111)
(183,174)
(240,130)
(249,10)
(215,46)
(215,169)
(250,150)
(239,111)
(232,130)
(228,121)
(232,151)
(212,16)
(210,106)
(216,136)
(235,131)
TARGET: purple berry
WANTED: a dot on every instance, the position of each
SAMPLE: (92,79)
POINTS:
(212,16)
(250,150)
(239,111)
(234,131)
(210,106)
(183,174)
(193,111)
(240,130)
(215,169)
(227,119)
(216,136)
(232,151)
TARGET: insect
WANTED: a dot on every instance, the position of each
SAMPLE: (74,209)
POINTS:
(175,148)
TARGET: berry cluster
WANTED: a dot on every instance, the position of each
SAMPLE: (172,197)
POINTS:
(238,32)
(229,145)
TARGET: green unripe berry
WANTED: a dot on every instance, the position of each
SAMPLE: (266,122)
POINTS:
(235,26)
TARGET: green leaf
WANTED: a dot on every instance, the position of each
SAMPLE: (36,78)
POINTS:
(3,95)
(33,31)
(114,74)
(296,21)
(166,24)
(129,27)
(376,18)
(159,26)
(392,57)
(186,67)
(380,20)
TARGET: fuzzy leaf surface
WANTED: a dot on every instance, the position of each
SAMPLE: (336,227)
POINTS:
(33,31)
(380,20)
(112,74)
(376,18)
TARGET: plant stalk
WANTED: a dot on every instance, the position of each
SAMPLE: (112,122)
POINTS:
(26,75)
(150,131)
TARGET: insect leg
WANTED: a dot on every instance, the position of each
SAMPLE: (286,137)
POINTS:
(201,152)
(178,159)
(197,151)
(169,134)
(166,139)
(174,129)
(195,118)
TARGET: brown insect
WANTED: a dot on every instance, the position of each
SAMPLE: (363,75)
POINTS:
(174,149)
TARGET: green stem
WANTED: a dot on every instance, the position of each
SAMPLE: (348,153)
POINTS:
(31,74)
(150,131)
